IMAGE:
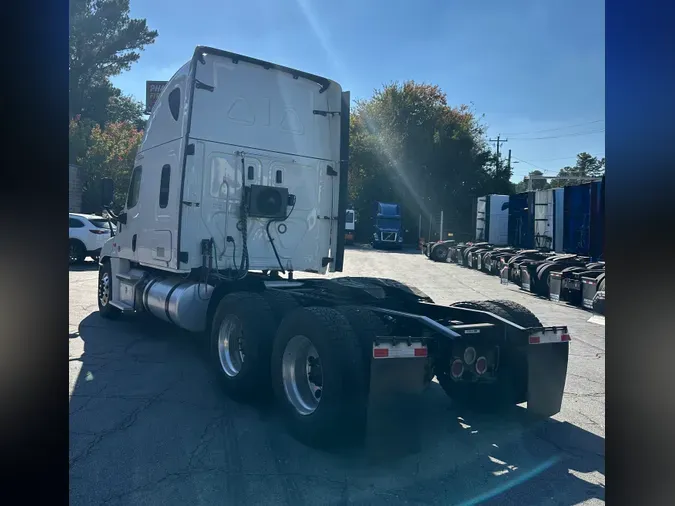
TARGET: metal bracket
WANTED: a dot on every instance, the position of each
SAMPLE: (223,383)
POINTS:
(325,113)
(201,86)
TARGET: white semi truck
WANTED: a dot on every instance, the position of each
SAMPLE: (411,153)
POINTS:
(241,179)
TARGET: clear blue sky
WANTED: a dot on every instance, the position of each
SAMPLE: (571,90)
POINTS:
(534,68)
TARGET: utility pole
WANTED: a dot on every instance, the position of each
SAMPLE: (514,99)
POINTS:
(509,160)
(499,141)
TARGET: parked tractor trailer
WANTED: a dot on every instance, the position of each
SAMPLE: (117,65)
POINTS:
(387,227)
(218,218)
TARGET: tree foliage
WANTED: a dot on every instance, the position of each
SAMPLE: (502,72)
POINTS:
(106,126)
(407,145)
(585,167)
(110,154)
(104,41)
(537,184)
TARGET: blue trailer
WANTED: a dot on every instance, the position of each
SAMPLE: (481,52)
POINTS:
(521,220)
(387,231)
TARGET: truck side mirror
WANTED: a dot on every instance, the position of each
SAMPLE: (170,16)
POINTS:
(107,192)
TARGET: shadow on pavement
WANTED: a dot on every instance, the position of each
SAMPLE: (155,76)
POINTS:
(87,265)
(406,250)
(149,424)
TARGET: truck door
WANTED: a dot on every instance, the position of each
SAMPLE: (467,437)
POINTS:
(157,241)
(127,238)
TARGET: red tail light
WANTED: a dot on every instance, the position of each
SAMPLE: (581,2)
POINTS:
(481,365)
(99,231)
(420,352)
(457,369)
(380,352)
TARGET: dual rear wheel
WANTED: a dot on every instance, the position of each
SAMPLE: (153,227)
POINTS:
(314,358)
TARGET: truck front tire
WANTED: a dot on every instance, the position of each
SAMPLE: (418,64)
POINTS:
(105,293)
(318,377)
(240,344)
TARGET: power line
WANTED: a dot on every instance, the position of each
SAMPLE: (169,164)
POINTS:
(576,134)
(559,128)
(567,157)
(499,141)
(525,161)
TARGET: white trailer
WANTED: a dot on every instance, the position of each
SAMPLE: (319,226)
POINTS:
(241,178)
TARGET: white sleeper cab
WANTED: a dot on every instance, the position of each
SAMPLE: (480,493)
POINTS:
(241,180)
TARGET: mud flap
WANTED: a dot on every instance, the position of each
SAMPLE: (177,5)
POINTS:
(555,286)
(547,372)
(589,287)
(392,427)
(525,282)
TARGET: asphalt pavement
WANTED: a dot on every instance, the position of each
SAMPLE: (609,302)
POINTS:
(149,424)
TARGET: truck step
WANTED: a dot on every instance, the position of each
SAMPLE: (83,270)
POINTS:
(125,308)
(131,276)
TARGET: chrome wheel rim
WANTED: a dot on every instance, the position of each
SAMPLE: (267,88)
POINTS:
(104,289)
(230,349)
(302,375)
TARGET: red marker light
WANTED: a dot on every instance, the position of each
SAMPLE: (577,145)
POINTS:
(481,365)
(457,369)
(420,352)
(380,352)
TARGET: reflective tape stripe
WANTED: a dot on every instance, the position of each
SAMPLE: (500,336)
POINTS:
(400,350)
(548,337)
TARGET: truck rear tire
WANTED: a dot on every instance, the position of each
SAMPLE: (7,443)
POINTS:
(439,253)
(367,326)
(280,302)
(105,292)
(318,377)
(483,305)
(241,342)
(518,313)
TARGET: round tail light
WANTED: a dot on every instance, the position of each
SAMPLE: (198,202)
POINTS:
(469,355)
(481,365)
(457,369)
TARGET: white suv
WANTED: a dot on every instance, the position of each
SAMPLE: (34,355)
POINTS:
(87,234)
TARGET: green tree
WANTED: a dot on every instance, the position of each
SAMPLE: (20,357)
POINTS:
(79,137)
(587,166)
(537,184)
(106,104)
(407,145)
(104,41)
(110,154)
